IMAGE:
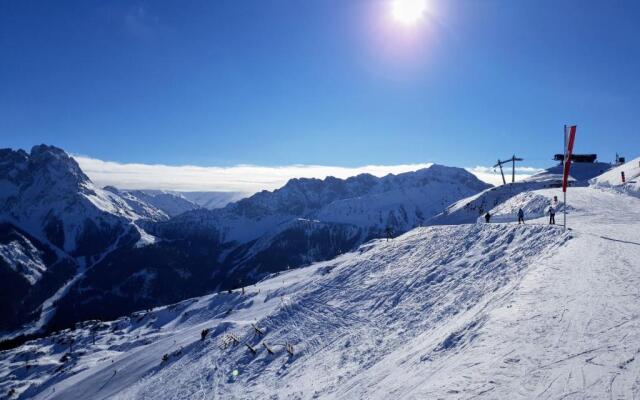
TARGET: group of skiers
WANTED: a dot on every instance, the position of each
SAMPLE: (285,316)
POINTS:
(551,212)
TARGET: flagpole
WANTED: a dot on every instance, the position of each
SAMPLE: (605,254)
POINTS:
(564,162)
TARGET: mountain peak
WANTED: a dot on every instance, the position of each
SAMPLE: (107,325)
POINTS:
(45,149)
(57,163)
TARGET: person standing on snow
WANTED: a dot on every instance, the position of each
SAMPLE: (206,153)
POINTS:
(389,233)
(520,216)
(487,217)
(552,215)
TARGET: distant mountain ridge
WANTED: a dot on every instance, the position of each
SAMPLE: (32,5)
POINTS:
(213,200)
(363,200)
(169,204)
(173,203)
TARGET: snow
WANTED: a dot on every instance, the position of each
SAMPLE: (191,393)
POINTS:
(50,198)
(138,206)
(169,203)
(47,187)
(22,257)
(410,207)
(145,238)
(580,172)
(468,210)
(46,194)
(570,327)
(213,200)
(476,310)
(401,202)
(533,204)
(613,178)
(345,319)
(48,307)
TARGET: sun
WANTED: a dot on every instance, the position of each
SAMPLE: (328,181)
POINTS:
(408,12)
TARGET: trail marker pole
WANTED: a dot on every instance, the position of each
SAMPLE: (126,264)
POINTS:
(569,140)
(564,163)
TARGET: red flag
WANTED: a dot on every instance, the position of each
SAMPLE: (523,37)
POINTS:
(570,133)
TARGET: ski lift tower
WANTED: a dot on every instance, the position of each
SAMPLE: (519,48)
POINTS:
(512,160)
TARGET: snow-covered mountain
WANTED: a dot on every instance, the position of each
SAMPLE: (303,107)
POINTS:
(47,194)
(170,203)
(346,214)
(461,311)
(54,224)
(30,272)
(208,250)
(311,219)
(139,205)
(399,202)
(133,249)
(213,200)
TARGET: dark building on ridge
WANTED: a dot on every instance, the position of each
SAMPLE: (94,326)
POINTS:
(578,158)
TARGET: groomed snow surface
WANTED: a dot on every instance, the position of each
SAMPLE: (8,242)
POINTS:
(455,311)
(613,178)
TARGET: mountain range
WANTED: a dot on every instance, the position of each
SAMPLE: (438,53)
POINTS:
(71,251)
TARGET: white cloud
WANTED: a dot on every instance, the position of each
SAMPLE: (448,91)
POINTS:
(493,177)
(240,178)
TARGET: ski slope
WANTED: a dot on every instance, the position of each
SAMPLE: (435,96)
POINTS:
(570,327)
(459,311)
(613,178)
(471,209)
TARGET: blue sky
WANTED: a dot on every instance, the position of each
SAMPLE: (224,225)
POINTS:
(326,82)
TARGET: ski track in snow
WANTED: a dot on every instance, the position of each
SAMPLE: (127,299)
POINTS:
(452,312)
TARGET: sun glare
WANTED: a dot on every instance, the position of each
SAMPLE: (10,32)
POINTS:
(408,12)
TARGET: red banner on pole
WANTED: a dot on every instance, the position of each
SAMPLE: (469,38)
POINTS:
(570,133)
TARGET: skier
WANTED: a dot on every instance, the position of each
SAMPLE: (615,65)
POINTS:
(520,216)
(487,217)
(552,215)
